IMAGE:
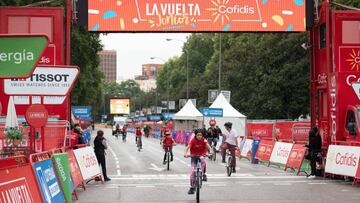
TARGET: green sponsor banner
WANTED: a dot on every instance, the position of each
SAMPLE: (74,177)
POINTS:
(61,163)
(19,54)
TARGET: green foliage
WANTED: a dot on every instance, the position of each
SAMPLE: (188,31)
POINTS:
(13,133)
(87,90)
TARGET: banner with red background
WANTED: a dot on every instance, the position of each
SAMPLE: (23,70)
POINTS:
(296,156)
(18,184)
(196,15)
(265,149)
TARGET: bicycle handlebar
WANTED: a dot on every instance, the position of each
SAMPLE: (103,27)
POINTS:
(190,156)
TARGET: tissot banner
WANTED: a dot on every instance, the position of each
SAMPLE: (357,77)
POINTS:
(53,80)
(196,15)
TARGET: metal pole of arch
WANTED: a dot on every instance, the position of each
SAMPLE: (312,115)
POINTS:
(219,63)
(187,74)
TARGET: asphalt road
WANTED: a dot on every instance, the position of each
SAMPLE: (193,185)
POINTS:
(141,177)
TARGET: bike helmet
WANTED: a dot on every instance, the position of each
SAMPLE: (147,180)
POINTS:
(228,124)
(212,122)
(198,130)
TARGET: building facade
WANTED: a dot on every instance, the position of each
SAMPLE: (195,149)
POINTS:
(108,64)
(151,70)
(147,81)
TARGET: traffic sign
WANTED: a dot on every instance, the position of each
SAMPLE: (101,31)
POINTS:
(49,81)
(36,115)
(20,53)
(212,112)
(356,88)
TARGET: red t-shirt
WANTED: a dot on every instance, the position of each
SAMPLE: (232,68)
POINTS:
(168,142)
(198,147)
(138,133)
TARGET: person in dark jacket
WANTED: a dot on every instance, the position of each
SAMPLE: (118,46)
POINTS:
(315,143)
(100,145)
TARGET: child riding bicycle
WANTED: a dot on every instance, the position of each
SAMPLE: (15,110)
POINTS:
(198,147)
(138,135)
(168,143)
(230,142)
(212,134)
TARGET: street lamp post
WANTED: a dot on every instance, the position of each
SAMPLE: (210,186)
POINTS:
(187,66)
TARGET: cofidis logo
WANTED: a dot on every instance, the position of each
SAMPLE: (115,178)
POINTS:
(354,59)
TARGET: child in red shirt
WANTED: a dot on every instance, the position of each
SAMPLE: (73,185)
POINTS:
(168,143)
(138,134)
(198,146)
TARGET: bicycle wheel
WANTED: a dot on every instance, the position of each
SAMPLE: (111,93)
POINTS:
(228,166)
(168,160)
(138,144)
(214,155)
(197,185)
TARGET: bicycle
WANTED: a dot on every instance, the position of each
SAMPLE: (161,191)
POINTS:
(167,159)
(228,166)
(124,136)
(139,144)
(228,162)
(213,147)
(117,134)
(198,174)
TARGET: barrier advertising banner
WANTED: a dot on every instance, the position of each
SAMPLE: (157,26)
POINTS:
(19,185)
(246,148)
(61,163)
(196,16)
(260,130)
(265,149)
(281,152)
(87,161)
(74,169)
(296,156)
(48,182)
(82,112)
(342,160)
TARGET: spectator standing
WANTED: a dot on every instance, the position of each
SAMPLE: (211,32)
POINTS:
(314,146)
(99,146)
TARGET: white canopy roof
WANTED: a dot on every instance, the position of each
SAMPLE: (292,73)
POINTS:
(188,112)
(228,110)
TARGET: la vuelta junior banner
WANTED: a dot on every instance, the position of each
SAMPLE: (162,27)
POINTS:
(196,15)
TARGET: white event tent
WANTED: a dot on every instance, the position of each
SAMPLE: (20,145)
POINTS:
(188,118)
(230,114)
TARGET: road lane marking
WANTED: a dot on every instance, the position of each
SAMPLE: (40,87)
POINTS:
(251,184)
(217,176)
(118,172)
(285,184)
(317,183)
(142,186)
(217,185)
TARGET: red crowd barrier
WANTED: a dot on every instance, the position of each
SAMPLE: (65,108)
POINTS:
(16,161)
(296,157)
(262,130)
(18,184)
(265,149)
(75,171)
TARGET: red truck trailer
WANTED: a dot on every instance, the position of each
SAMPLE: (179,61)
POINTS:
(335,75)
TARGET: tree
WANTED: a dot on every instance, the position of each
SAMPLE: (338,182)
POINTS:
(87,90)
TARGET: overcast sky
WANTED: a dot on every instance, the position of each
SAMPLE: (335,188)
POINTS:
(133,50)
